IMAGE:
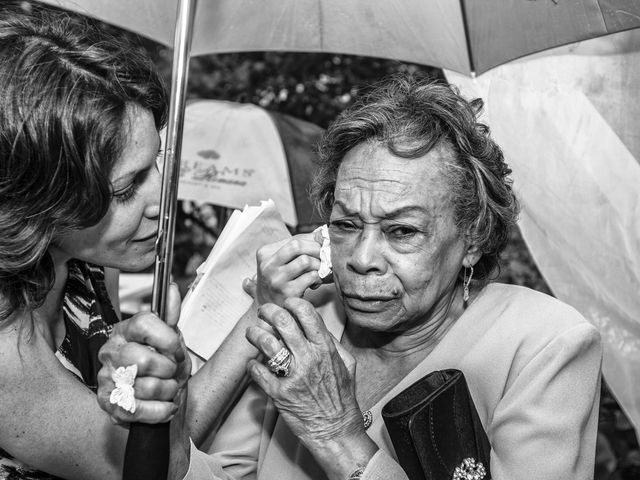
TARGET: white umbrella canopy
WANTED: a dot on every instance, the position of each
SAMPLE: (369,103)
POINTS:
(567,125)
(461,35)
(236,154)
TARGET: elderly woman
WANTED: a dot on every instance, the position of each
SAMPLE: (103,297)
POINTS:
(419,205)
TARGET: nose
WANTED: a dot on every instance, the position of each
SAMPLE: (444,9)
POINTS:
(367,256)
(152,211)
(152,207)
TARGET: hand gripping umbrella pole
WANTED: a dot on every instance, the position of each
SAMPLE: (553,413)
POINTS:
(147,451)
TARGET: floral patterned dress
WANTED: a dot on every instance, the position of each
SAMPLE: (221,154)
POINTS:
(88,318)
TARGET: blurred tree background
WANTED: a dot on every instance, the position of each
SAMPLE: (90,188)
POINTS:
(316,87)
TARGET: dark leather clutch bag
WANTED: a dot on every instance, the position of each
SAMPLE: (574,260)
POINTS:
(436,431)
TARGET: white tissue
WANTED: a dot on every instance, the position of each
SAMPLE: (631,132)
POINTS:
(325,253)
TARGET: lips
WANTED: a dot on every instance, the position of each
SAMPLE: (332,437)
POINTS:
(151,236)
(366,303)
(368,298)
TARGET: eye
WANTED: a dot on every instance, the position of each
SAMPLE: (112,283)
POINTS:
(401,231)
(343,225)
(126,194)
(159,164)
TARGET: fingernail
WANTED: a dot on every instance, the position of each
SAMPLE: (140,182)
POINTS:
(179,354)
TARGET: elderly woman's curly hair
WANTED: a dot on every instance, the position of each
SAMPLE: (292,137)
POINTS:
(67,86)
(411,116)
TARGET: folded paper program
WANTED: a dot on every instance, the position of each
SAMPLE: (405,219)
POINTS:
(216,301)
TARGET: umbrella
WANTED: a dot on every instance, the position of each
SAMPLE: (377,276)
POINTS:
(468,36)
(236,154)
(464,35)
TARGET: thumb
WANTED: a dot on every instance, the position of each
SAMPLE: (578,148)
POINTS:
(173,305)
(249,285)
(347,358)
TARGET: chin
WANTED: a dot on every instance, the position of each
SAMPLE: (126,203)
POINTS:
(367,321)
(137,264)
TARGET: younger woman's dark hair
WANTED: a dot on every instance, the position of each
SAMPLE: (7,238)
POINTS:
(67,85)
(411,116)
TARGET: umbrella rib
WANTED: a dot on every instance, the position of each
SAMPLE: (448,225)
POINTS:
(465,25)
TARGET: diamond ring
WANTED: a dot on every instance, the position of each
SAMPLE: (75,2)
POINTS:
(279,364)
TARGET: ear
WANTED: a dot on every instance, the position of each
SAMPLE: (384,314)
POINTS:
(472,256)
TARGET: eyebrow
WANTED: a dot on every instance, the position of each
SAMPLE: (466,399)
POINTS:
(408,209)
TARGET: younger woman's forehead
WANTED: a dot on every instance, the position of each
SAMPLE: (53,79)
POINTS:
(141,146)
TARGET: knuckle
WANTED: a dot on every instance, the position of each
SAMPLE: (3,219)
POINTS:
(281,319)
(146,324)
(299,305)
(172,341)
(118,329)
(289,291)
(135,327)
(109,350)
(103,400)
(265,252)
(131,355)
(104,355)
(269,343)
(168,389)
(116,421)
(172,370)
(306,307)
(252,332)
(104,377)
(144,388)
(305,261)
(266,310)
(155,389)
(120,418)
(295,244)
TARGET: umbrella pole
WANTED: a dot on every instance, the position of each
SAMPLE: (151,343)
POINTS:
(147,451)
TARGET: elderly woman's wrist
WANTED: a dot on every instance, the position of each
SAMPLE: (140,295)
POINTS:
(343,457)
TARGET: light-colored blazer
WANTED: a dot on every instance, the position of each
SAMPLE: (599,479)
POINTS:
(533,368)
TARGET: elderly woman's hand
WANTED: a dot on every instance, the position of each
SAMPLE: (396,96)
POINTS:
(316,396)
(162,371)
(287,269)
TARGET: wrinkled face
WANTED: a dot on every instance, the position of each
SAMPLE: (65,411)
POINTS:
(396,251)
(125,237)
